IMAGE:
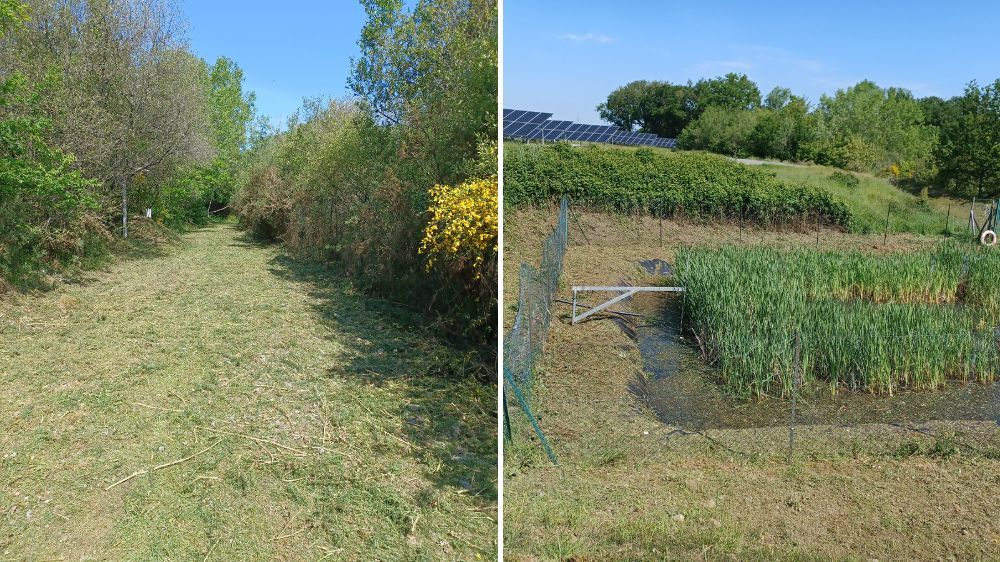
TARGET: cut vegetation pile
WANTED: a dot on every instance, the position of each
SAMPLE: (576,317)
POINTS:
(663,184)
(877,323)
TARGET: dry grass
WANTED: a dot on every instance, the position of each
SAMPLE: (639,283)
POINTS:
(864,492)
(270,411)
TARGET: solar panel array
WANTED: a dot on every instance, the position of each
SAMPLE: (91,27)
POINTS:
(534,125)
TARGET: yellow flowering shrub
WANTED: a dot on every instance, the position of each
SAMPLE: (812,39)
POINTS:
(463,226)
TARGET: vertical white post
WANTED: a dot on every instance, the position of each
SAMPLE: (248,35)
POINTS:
(574,308)
(124,209)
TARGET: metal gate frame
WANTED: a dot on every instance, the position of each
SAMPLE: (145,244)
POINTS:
(626,293)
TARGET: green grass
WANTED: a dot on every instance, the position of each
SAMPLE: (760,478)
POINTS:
(323,424)
(880,323)
(872,200)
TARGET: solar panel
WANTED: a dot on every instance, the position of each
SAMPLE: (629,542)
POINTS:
(540,117)
(531,131)
(574,132)
(535,125)
(556,130)
(604,134)
(514,115)
(521,130)
(521,124)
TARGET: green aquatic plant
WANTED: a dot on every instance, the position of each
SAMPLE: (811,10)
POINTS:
(874,323)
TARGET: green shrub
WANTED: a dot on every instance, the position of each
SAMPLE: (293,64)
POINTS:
(333,190)
(723,131)
(663,184)
(845,179)
(48,210)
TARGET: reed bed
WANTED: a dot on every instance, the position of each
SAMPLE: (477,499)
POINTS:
(873,323)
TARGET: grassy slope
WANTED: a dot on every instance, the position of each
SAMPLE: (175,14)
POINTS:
(858,493)
(871,201)
(319,425)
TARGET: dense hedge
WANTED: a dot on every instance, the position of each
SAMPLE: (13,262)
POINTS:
(663,184)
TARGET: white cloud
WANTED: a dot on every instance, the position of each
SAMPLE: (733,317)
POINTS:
(723,66)
(783,57)
(587,37)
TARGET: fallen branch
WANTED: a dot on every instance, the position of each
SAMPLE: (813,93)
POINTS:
(156,407)
(289,535)
(257,439)
(159,467)
(209,553)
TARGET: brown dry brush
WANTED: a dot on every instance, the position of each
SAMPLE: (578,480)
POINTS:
(335,189)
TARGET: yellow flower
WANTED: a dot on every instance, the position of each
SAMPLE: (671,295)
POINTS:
(463,226)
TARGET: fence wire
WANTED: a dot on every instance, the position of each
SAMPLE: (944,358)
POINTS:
(522,346)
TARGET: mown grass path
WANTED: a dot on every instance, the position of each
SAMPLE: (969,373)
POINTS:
(310,421)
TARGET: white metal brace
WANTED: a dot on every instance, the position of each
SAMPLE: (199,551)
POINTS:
(626,293)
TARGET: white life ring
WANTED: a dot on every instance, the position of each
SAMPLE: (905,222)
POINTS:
(989,238)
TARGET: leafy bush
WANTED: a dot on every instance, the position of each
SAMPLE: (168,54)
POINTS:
(463,225)
(723,131)
(330,190)
(845,179)
(629,181)
(48,210)
(461,238)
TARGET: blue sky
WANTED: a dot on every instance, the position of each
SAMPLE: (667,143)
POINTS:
(288,50)
(565,57)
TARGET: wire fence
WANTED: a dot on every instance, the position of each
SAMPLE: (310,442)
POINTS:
(964,358)
(963,220)
(524,342)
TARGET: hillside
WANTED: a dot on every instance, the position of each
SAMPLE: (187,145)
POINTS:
(711,187)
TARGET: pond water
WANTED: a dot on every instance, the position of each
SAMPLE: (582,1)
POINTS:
(685,392)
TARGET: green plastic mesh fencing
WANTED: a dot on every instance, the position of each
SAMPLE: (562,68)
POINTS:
(522,345)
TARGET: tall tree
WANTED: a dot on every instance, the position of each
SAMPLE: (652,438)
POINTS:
(783,127)
(660,108)
(733,91)
(778,98)
(432,69)
(886,124)
(131,100)
(970,148)
(231,111)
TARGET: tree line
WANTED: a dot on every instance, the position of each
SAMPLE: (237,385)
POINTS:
(951,145)
(104,113)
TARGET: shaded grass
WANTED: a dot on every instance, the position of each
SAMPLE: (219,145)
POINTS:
(335,426)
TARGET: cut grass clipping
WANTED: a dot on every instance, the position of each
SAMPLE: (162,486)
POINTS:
(874,323)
